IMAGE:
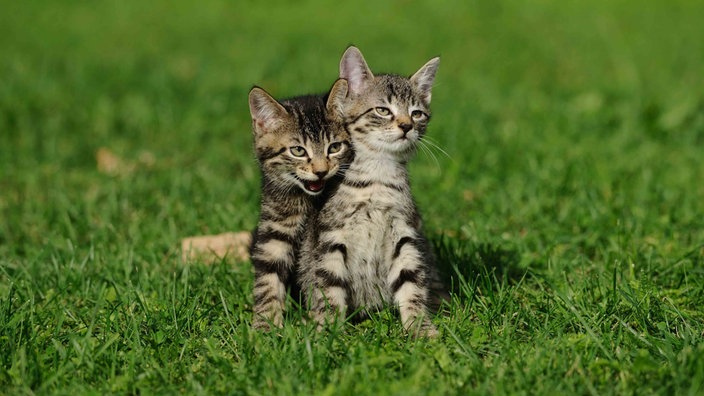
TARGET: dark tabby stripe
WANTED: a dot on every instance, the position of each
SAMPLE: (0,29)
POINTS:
(309,112)
(412,276)
(269,153)
(360,116)
(366,183)
(278,267)
(340,248)
(268,235)
(328,279)
(356,183)
(417,301)
(263,298)
(401,243)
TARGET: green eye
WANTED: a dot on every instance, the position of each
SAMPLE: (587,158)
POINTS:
(334,148)
(298,151)
(382,111)
(417,114)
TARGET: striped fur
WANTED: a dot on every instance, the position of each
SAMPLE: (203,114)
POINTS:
(367,249)
(303,149)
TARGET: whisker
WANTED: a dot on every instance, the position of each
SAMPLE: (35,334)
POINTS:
(280,188)
(426,150)
(435,146)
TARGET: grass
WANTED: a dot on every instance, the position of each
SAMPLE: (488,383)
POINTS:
(568,212)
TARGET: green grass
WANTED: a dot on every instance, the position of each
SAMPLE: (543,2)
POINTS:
(569,210)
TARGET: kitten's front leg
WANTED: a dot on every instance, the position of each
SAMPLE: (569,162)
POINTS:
(328,299)
(408,282)
(273,260)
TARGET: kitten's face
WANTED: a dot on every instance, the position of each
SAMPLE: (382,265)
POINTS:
(386,113)
(389,115)
(300,144)
(302,162)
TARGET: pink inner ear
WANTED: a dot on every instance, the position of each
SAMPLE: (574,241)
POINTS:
(353,75)
(357,79)
(354,69)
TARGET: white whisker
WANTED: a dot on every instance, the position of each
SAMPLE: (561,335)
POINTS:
(426,150)
(435,146)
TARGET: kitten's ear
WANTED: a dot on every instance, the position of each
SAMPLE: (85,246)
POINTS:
(336,98)
(266,112)
(424,77)
(354,69)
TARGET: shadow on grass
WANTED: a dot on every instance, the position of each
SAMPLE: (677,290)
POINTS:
(465,265)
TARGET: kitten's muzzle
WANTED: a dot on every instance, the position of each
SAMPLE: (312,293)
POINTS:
(405,127)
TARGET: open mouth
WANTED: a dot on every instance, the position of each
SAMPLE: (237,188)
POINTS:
(314,186)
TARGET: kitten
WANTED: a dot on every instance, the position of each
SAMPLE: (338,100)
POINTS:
(302,147)
(367,248)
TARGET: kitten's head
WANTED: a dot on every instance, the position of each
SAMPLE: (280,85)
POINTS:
(300,142)
(386,113)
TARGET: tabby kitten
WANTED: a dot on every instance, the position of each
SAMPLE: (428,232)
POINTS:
(301,146)
(367,248)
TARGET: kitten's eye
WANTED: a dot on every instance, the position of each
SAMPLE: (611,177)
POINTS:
(297,151)
(383,111)
(334,148)
(417,114)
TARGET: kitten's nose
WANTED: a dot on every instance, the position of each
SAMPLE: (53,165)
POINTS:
(405,127)
(321,174)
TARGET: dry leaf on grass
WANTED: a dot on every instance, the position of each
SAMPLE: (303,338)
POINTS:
(469,195)
(111,164)
(212,248)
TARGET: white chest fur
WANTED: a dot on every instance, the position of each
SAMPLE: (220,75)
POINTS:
(380,204)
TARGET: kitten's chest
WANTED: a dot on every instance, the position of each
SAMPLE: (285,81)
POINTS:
(378,203)
(375,222)
(371,235)
(374,209)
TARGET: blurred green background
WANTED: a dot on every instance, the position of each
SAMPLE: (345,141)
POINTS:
(528,96)
(573,133)
(535,103)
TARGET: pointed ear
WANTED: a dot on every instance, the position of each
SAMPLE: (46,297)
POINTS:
(424,77)
(266,112)
(354,69)
(336,99)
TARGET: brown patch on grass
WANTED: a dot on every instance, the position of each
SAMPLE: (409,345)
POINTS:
(213,248)
(112,164)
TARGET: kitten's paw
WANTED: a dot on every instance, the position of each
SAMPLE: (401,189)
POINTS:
(427,332)
(327,319)
(422,328)
(310,318)
(262,323)
(321,319)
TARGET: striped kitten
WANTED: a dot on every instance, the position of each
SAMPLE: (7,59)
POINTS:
(301,146)
(367,248)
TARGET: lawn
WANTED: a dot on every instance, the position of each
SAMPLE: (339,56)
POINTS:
(565,199)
